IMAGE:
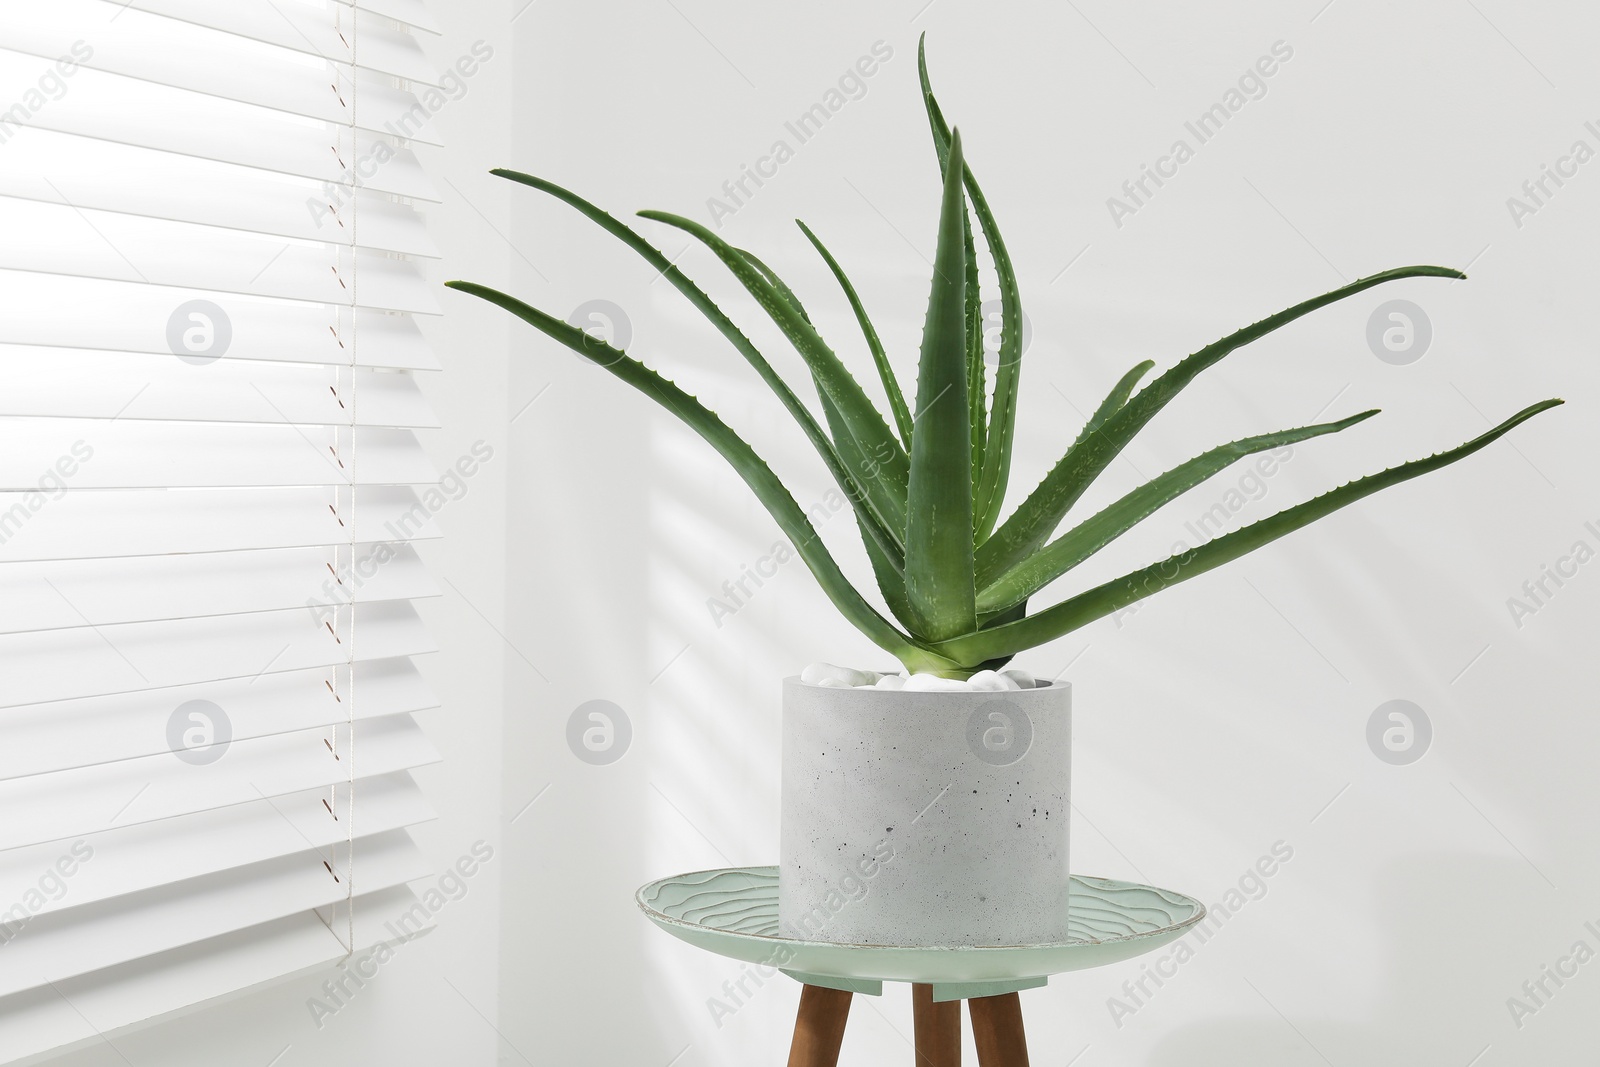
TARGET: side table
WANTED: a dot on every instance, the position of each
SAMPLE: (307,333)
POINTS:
(733,912)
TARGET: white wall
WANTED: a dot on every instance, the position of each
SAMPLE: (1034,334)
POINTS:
(1224,716)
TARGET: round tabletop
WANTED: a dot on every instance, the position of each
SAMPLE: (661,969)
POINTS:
(733,912)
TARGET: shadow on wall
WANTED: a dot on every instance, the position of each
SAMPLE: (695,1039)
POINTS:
(1464,931)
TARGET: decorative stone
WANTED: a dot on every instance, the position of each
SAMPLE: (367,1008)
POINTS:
(824,673)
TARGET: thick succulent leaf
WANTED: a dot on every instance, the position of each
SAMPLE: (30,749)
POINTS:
(888,557)
(1038,516)
(751,467)
(976,378)
(891,384)
(1090,536)
(848,483)
(939,513)
(1103,600)
(1114,400)
(885,484)
(1019,611)
(977,382)
(890,576)
(888,560)
(776,282)
(1001,423)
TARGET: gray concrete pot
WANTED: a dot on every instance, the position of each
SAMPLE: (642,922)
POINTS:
(925,818)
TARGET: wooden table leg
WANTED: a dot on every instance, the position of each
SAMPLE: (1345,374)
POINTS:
(938,1028)
(997,1031)
(819,1028)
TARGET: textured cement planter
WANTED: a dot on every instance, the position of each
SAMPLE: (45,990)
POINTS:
(925,818)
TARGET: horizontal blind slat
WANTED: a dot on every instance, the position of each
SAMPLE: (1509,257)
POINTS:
(411,12)
(78,1013)
(136,386)
(303,29)
(137,45)
(204,50)
(128,111)
(67,734)
(168,57)
(67,944)
(64,596)
(146,455)
(94,1008)
(90,800)
(85,243)
(48,310)
(66,664)
(118,524)
(58,168)
(113,863)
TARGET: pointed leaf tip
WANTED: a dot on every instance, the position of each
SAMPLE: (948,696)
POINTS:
(939,530)
(1104,599)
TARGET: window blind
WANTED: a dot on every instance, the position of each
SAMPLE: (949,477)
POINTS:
(211,493)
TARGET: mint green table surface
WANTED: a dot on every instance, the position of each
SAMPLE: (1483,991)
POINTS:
(733,912)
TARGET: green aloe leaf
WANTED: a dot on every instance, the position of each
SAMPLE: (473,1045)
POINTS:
(1001,423)
(885,483)
(885,553)
(977,386)
(891,384)
(1104,599)
(1114,400)
(939,565)
(1087,538)
(843,475)
(776,282)
(887,558)
(890,575)
(1038,516)
(888,561)
(750,467)
(977,382)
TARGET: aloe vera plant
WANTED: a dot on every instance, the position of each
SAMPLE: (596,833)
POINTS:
(927,484)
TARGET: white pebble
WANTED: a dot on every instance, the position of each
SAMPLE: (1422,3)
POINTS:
(987,682)
(932,683)
(830,676)
(824,673)
(1023,679)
